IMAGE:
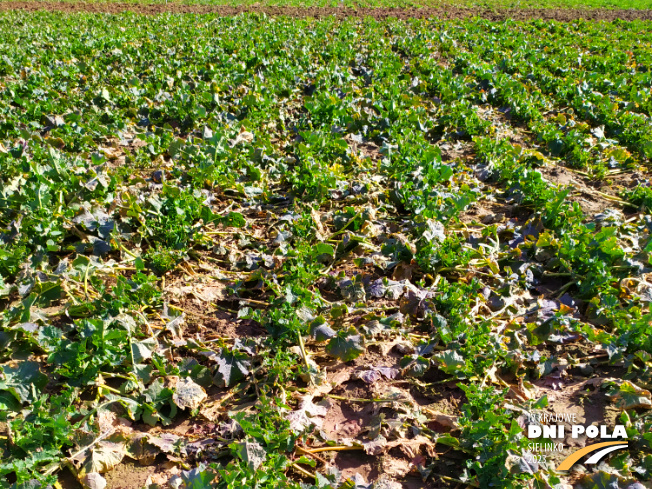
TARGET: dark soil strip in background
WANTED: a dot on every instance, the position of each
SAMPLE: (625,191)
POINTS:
(377,13)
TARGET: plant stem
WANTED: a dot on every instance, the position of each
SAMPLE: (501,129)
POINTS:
(302,346)
(340,448)
(457,481)
(357,399)
(313,455)
(343,229)
(559,292)
(303,471)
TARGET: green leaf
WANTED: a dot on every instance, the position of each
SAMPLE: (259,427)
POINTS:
(323,249)
(346,346)
(630,396)
(448,440)
(157,393)
(233,220)
(252,453)
(46,292)
(339,311)
(541,403)
(158,397)
(320,330)
(175,147)
(8,403)
(414,365)
(105,95)
(142,350)
(23,379)
(198,478)
(231,368)
(450,361)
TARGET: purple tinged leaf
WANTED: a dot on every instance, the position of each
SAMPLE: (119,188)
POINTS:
(377,288)
(377,373)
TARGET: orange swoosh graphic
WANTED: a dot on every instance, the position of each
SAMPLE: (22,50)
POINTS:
(574,457)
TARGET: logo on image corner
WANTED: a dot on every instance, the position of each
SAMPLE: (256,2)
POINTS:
(597,451)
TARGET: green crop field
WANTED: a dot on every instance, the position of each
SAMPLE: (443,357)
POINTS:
(268,252)
(490,4)
(517,4)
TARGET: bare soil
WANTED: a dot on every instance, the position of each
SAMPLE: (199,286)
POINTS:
(129,475)
(444,13)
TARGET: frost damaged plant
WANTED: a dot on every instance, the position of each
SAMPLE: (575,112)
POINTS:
(261,458)
(491,432)
(369,122)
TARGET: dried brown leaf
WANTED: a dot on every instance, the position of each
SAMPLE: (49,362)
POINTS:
(93,480)
(188,394)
